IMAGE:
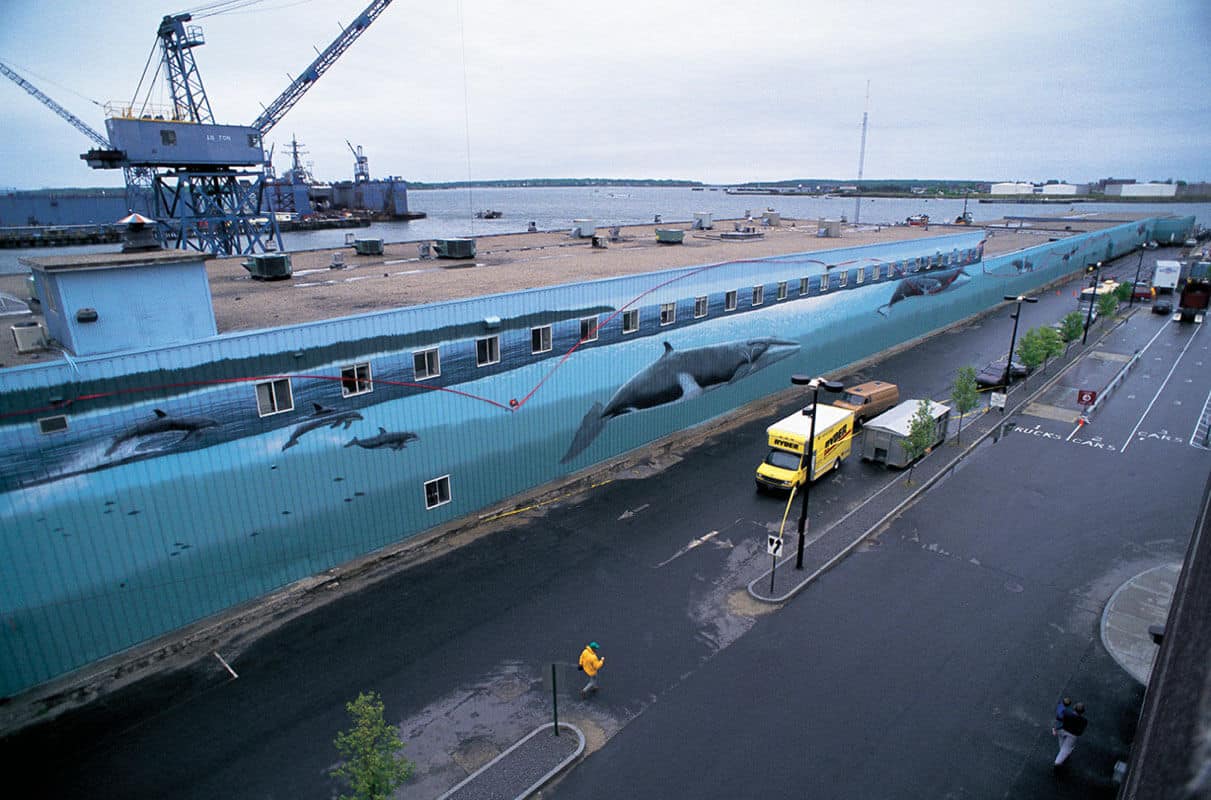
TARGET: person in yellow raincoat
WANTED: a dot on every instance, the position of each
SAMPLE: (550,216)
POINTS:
(590,663)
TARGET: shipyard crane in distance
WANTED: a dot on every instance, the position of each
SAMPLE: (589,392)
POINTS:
(361,165)
(203,182)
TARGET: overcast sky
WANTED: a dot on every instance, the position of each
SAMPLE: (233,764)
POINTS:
(719,92)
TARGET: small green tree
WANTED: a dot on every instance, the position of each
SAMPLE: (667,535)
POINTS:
(1053,344)
(1123,292)
(371,764)
(1072,325)
(922,433)
(964,396)
(1032,350)
(1107,304)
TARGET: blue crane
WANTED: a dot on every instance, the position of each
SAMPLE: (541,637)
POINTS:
(285,101)
(204,182)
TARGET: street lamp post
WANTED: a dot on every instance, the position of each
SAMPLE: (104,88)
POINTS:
(1097,276)
(1013,339)
(1135,283)
(809,452)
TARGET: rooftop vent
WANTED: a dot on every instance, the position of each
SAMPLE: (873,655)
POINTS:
(29,336)
(454,248)
(268,266)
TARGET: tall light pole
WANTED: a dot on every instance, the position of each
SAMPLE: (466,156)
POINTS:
(1013,340)
(1097,276)
(1136,282)
(809,451)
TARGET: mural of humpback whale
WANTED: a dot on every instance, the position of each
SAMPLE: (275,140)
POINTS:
(163,423)
(680,375)
(925,283)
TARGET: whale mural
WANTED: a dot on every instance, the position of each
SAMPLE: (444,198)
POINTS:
(385,438)
(680,375)
(926,283)
(163,423)
(322,418)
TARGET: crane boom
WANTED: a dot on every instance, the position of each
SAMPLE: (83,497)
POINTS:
(285,101)
(75,121)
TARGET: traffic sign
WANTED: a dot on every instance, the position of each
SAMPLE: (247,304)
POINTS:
(1086,397)
(773,545)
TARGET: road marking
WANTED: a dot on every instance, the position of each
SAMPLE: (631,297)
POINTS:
(629,513)
(693,543)
(1201,437)
(1160,389)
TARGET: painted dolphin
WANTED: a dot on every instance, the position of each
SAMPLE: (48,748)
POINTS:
(163,423)
(680,375)
(923,284)
(323,417)
(384,439)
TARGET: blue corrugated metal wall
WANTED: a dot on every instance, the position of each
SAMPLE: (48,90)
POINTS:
(115,530)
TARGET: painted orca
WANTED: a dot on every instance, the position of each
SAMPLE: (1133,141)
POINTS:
(323,417)
(163,423)
(384,439)
(680,375)
(926,283)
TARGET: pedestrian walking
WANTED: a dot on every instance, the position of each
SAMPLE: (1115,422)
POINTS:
(1072,725)
(590,664)
(1060,707)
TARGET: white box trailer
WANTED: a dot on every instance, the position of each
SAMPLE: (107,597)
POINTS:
(884,436)
(1165,277)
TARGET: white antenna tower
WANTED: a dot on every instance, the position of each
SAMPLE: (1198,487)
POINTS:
(862,157)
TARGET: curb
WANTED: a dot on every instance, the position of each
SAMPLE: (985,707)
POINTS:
(529,790)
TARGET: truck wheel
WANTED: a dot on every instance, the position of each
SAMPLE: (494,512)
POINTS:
(837,464)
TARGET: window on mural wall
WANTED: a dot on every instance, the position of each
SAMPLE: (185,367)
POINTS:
(588,329)
(758,295)
(824,281)
(630,321)
(540,339)
(842,279)
(274,397)
(52,424)
(437,492)
(729,300)
(668,313)
(700,307)
(355,379)
(804,287)
(782,290)
(426,364)
(487,351)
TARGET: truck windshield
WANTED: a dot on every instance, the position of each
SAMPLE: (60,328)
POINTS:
(782,459)
(854,399)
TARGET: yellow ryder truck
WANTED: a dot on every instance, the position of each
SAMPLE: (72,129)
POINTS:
(787,438)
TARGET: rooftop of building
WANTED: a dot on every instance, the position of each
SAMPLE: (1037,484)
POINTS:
(508,262)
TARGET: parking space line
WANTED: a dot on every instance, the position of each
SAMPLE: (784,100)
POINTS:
(1201,437)
(1161,388)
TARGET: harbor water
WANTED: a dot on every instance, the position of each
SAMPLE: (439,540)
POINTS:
(451,213)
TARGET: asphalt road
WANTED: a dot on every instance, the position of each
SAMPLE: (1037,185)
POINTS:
(926,664)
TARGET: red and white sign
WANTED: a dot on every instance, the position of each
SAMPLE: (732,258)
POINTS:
(1086,397)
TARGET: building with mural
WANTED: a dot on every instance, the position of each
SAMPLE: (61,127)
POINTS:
(197,439)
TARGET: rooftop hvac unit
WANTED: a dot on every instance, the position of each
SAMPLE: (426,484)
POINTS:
(703,220)
(368,247)
(454,248)
(29,337)
(268,266)
(583,228)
